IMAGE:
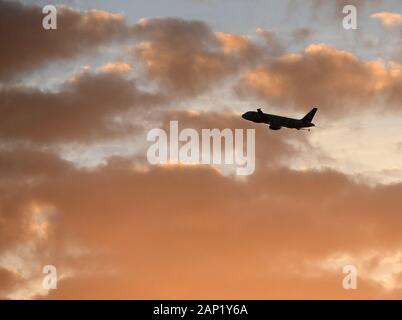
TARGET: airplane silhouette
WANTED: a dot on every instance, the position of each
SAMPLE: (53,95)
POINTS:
(276,122)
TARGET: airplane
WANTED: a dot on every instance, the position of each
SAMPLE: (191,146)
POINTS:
(276,122)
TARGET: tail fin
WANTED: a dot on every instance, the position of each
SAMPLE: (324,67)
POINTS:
(309,116)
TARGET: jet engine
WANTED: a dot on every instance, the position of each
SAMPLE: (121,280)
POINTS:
(274,127)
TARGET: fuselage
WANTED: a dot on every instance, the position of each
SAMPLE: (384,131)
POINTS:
(276,122)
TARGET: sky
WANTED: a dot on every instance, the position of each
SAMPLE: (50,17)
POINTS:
(77,191)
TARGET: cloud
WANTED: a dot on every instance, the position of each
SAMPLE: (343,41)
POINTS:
(273,46)
(22,168)
(81,110)
(26,45)
(232,42)
(186,57)
(7,280)
(301,35)
(20,163)
(188,232)
(125,229)
(334,80)
(279,228)
(388,19)
(118,66)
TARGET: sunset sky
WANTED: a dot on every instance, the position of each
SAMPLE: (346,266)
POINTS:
(77,191)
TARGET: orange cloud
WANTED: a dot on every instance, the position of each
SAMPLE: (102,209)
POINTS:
(388,19)
(81,110)
(281,231)
(325,76)
(186,57)
(7,281)
(118,66)
(77,32)
(125,229)
(232,42)
(162,232)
